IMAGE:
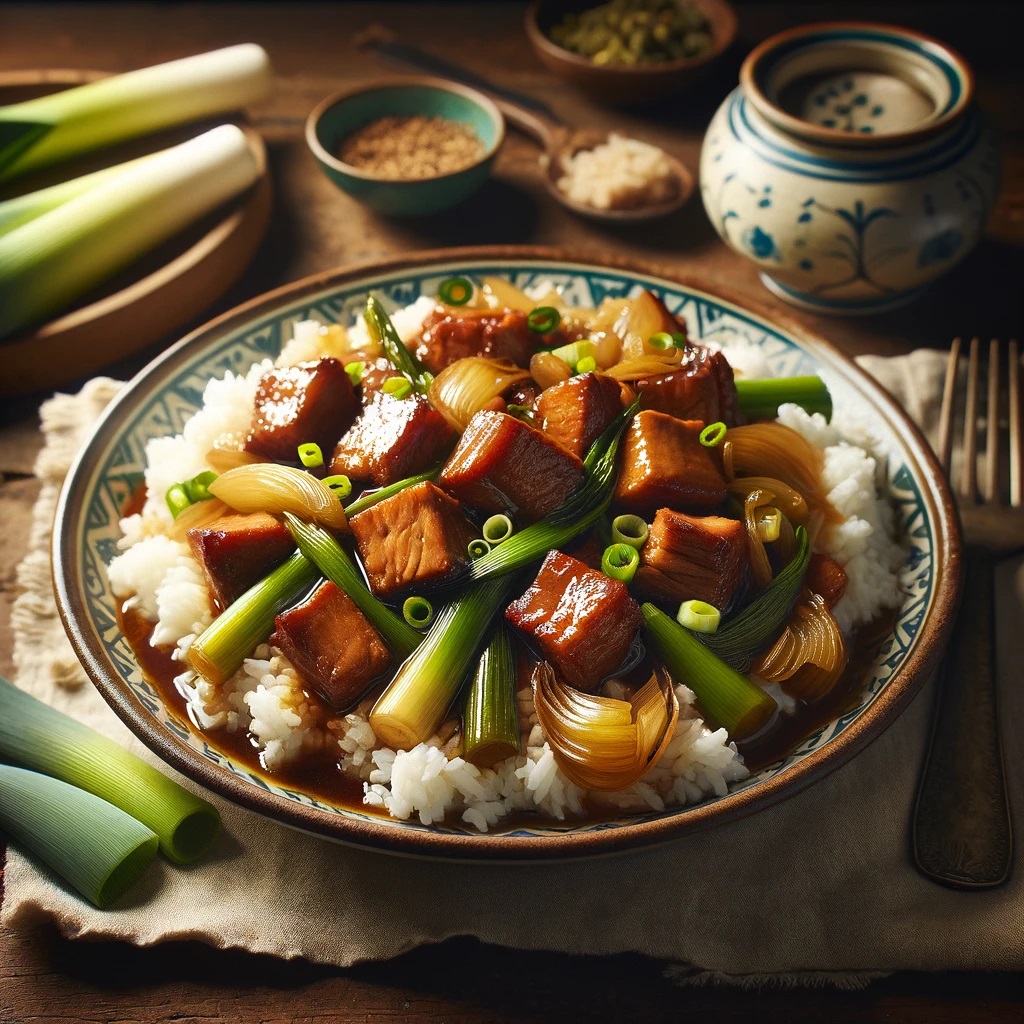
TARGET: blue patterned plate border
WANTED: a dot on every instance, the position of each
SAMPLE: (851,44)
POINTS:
(159,400)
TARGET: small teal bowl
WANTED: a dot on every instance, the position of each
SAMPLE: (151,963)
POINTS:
(340,115)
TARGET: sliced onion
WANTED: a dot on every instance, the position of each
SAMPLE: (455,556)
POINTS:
(602,743)
(653,364)
(787,500)
(467,385)
(499,294)
(222,459)
(269,487)
(773,449)
(810,654)
(642,317)
(760,566)
(200,513)
(548,370)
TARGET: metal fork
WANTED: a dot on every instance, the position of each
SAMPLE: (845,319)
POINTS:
(962,834)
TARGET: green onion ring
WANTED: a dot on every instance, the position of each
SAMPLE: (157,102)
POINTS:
(620,561)
(679,339)
(699,616)
(769,524)
(340,484)
(310,455)
(713,434)
(478,548)
(355,372)
(418,612)
(543,319)
(456,291)
(661,341)
(586,365)
(498,528)
(397,387)
(198,488)
(631,530)
(177,499)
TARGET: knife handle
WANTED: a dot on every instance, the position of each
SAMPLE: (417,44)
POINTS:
(962,834)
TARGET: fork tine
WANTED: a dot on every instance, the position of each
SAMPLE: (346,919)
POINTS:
(990,485)
(1016,426)
(969,462)
(946,411)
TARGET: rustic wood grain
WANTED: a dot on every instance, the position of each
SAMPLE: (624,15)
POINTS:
(45,978)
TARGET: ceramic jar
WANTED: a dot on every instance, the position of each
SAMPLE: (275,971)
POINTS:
(851,165)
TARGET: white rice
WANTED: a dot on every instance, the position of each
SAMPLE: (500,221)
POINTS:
(265,697)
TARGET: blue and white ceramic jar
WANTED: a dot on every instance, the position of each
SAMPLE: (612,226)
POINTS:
(851,164)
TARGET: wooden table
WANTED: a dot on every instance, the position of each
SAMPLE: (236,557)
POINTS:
(46,978)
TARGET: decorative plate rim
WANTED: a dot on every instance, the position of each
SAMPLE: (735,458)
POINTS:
(398,837)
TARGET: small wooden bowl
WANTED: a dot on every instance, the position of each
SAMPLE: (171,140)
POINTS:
(625,84)
(163,291)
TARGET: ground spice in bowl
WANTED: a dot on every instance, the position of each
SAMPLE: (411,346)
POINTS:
(415,147)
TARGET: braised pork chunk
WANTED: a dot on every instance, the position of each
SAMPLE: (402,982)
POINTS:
(310,402)
(580,620)
(702,389)
(415,538)
(448,336)
(504,465)
(575,412)
(238,551)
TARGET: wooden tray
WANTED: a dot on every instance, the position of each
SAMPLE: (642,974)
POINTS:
(160,293)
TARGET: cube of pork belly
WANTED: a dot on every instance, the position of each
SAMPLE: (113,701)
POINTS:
(825,576)
(664,463)
(449,336)
(689,558)
(392,439)
(580,620)
(414,538)
(297,404)
(238,551)
(702,389)
(333,647)
(504,465)
(575,412)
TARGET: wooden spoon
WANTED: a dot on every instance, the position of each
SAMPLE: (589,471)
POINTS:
(535,119)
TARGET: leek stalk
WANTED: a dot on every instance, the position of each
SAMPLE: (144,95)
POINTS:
(741,636)
(93,845)
(37,737)
(53,260)
(235,633)
(727,698)
(490,717)
(331,559)
(576,514)
(48,129)
(760,399)
(364,502)
(414,704)
(383,332)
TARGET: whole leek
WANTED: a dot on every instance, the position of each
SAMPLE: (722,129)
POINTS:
(490,731)
(727,698)
(35,736)
(53,260)
(93,845)
(414,704)
(48,129)
(760,399)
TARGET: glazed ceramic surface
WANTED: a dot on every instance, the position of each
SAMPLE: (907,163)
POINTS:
(850,165)
(344,113)
(162,397)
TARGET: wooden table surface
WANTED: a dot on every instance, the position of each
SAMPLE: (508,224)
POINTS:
(46,978)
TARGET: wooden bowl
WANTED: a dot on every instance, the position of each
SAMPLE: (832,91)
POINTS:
(167,288)
(891,667)
(625,84)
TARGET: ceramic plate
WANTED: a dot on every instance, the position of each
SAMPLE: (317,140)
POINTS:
(167,392)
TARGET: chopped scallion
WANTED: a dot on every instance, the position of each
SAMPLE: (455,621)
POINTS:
(198,487)
(397,387)
(478,548)
(310,455)
(355,371)
(726,698)
(497,528)
(631,530)
(576,351)
(586,365)
(661,341)
(699,616)
(340,484)
(620,562)
(713,434)
(418,612)
(177,499)
(331,559)
(456,291)
(543,319)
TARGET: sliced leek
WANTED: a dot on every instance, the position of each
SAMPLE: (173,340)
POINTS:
(48,129)
(93,845)
(760,399)
(55,259)
(490,730)
(36,736)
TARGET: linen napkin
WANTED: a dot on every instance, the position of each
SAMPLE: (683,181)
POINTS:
(819,889)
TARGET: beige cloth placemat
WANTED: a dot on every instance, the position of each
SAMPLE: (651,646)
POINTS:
(819,889)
